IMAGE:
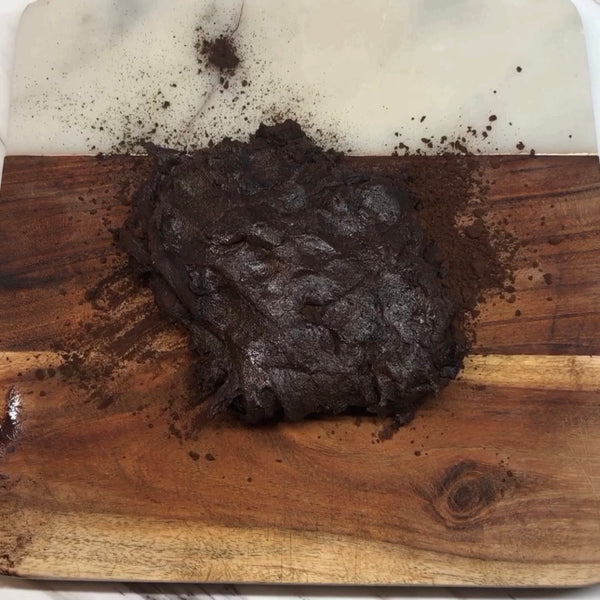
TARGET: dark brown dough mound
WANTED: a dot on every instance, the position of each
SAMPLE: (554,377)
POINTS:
(306,287)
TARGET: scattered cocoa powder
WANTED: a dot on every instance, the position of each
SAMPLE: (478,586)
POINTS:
(446,190)
(477,255)
(220,53)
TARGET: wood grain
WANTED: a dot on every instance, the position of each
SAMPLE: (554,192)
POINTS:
(111,474)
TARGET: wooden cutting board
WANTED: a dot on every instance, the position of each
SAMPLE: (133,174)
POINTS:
(112,475)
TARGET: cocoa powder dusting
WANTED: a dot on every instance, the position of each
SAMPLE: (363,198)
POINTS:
(220,53)
(476,254)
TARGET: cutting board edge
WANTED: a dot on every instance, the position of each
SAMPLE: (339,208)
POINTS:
(336,559)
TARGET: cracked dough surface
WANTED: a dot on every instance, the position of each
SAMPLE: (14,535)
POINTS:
(306,287)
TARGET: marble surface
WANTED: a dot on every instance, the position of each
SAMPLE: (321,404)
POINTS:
(10,15)
(589,11)
(26,590)
(111,64)
(358,75)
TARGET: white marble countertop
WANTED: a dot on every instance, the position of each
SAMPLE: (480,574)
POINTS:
(359,76)
(31,590)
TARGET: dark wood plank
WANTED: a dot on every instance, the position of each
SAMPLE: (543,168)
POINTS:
(56,240)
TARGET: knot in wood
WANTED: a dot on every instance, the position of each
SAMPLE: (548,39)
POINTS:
(465,493)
